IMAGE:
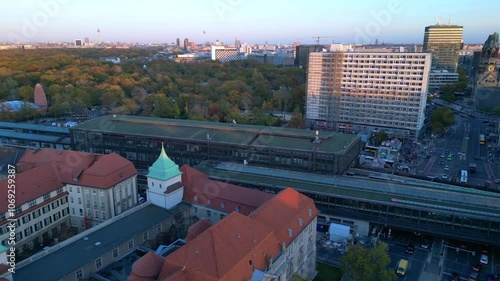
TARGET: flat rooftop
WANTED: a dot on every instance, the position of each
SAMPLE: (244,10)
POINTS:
(220,133)
(69,258)
(35,137)
(468,201)
(34,127)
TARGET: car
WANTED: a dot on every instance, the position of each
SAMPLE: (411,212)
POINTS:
(497,180)
(425,244)
(449,158)
(478,267)
(442,155)
(441,162)
(473,276)
(484,259)
(410,249)
(446,168)
(444,177)
(454,277)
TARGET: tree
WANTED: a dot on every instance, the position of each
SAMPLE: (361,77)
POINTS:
(443,115)
(297,121)
(448,97)
(380,137)
(296,277)
(27,93)
(361,264)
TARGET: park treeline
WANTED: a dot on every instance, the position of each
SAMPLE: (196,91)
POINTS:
(76,80)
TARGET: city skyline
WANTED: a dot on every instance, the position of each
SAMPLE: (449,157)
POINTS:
(393,21)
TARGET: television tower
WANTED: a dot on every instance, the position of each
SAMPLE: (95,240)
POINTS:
(98,36)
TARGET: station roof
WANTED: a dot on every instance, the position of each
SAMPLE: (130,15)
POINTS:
(34,137)
(416,193)
(34,127)
(220,133)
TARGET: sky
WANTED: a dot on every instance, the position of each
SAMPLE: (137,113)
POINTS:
(251,21)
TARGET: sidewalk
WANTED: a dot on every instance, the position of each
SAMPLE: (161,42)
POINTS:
(432,269)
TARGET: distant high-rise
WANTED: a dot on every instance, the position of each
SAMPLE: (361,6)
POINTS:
(444,41)
(178,42)
(86,41)
(186,44)
(237,43)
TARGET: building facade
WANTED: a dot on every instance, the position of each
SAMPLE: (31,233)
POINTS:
(224,54)
(439,78)
(367,92)
(99,187)
(444,41)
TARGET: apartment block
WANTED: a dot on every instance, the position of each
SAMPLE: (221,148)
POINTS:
(355,92)
(224,54)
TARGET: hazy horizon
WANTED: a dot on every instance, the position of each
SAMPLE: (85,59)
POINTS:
(258,21)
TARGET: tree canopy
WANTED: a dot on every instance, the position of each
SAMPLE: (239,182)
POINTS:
(441,118)
(207,90)
(362,264)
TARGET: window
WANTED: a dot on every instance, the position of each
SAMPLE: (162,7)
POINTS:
(57,216)
(28,231)
(32,203)
(81,212)
(38,226)
(79,200)
(59,190)
(71,199)
(222,216)
(96,214)
(70,188)
(55,204)
(195,210)
(98,263)
(78,190)
(79,274)
(209,214)
(130,244)
(209,201)
(115,253)
(46,197)
(73,211)
(47,221)
(145,236)
(26,218)
(46,209)
(103,215)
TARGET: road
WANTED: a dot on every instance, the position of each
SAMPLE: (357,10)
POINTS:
(462,142)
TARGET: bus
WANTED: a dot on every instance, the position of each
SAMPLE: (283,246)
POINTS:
(481,139)
(463,177)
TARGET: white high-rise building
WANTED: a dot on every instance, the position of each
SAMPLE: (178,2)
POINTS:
(366,92)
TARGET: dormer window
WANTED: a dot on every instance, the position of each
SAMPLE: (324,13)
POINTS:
(195,198)
(238,209)
(310,212)
(152,183)
(160,186)
(300,221)
(290,232)
(222,205)
(209,201)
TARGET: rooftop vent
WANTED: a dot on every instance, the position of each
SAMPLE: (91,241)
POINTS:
(97,244)
(238,235)
(290,232)
(197,250)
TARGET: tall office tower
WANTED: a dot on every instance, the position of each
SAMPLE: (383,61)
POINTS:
(237,43)
(178,42)
(444,41)
(186,44)
(366,92)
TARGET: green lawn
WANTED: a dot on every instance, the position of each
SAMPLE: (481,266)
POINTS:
(327,272)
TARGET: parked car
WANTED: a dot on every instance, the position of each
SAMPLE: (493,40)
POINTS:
(478,267)
(446,168)
(441,162)
(473,276)
(425,244)
(410,249)
(444,177)
(484,259)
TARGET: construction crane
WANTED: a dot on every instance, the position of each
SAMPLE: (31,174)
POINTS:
(319,37)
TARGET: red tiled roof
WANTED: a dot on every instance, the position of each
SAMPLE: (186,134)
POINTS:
(3,269)
(283,213)
(224,251)
(223,196)
(30,185)
(148,266)
(98,171)
(198,228)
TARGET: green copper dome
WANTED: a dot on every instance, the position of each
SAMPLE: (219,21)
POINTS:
(163,168)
